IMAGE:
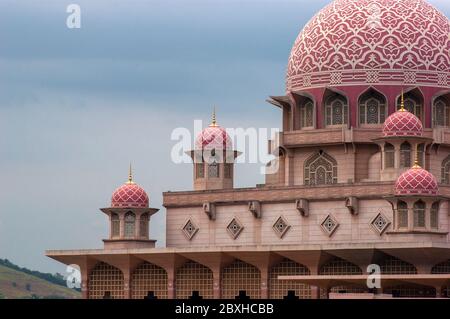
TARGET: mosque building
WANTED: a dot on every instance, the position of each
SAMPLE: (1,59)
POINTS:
(363,179)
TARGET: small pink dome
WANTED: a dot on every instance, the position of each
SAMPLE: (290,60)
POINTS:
(416,181)
(402,123)
(130,195)
(213,137)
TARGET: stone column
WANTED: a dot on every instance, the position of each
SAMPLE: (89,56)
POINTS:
(126,284)
(315,292)
(264,282)
(216,284)
(171,283)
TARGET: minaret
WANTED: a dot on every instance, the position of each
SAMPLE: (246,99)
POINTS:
(213,158)
(129,217)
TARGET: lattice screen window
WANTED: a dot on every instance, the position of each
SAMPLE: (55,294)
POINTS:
(414,107)
(190,229)
(445,170)
(228,170)
(115,225)
(320,169)
(105,281)
(278,289)
(307,115)
(441,113)
(419,214)
(235,228)
(130,224)
(143,227)
(200,170)
(213,170)
(434,216)
(329,225)
(338,266)
(402,215)
(149,278)
(240,276)
(372,110)
(389,155)
(336,111)
(395,266)
(441,268)
(192,277)
(421,155)
(405,155)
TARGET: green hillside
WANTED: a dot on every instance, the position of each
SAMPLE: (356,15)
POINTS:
(17,284)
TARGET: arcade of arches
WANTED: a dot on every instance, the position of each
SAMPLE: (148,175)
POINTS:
(241,280)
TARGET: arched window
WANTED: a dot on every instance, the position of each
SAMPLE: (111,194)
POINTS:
(441,113)
(320,169)
(372,108)
(130,220)
(199,170)
(194,277)
(213,170)
(307,115)
(434,215)
(143,227)
(149,279)
(445,170)
(414,107)
(336,111)
(402,214)
(115,225)
(405,155)
(389,154)
(419,214)
(421,155)
(105,281)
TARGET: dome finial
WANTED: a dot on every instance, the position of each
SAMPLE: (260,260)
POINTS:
(402,103)
(130,175)
(213,121)
(416,158)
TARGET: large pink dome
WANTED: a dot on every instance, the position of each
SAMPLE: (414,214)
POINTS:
(416,181)
(369,42)
(402,123)
(130,195)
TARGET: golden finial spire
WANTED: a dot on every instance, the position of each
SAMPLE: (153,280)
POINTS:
(213,121)
(130,175)
(416,158)
(402,103)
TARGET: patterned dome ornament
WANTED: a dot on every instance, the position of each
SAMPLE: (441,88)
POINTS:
(130,195)
(402,123)
(416,181)
(361,42)
(213,137)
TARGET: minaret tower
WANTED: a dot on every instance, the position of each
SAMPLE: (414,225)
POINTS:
(129,217)
(213,158)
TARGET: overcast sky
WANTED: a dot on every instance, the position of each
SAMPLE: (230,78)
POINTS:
(76,106)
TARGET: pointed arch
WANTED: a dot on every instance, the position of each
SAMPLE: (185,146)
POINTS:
(372,108)
(419,214)
(414,102)
(240,278)
(339,266)
(445,170)
(335,109)
(149,279)
(320,169)
(105,282)
(441,111)
(405,155)
(279,289)
(130,225)
(194,279)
